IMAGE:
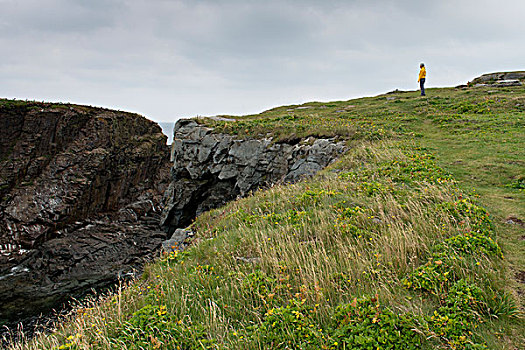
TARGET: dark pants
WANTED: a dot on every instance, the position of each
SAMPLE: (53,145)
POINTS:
(422,86)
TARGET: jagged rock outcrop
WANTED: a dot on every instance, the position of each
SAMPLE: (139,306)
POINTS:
(501,79)
(82,193)
(211,169)
(178,241)
(80,189)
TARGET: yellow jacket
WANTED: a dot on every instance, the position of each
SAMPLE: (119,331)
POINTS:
(422,74)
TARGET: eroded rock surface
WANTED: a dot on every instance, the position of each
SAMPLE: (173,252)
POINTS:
(84,190)
(502,79)
(493,77)
(211,169)
(80,190)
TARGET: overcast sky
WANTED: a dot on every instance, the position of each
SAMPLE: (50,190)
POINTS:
(171,59)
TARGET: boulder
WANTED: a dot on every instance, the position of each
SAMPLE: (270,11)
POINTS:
(177,242)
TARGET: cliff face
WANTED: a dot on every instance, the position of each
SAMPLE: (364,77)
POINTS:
(80,191)
(84,190)
(210,169)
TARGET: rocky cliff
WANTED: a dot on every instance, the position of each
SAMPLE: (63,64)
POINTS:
(210,168)
(84,190)
(80,191)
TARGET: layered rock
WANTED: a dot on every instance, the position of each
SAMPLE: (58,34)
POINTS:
(501,79)
(211,168)
(80,191)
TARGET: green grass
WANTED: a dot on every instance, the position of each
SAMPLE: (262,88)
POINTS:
(401,243)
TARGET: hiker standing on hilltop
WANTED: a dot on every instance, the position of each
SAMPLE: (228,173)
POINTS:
(421,79)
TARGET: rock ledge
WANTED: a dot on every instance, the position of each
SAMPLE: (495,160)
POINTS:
(211,168)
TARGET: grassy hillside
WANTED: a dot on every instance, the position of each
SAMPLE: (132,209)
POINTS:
(402,243)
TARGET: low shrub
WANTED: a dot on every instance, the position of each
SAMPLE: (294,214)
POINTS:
(365,324)
(290,327)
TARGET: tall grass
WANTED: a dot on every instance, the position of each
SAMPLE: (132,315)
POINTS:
(300,251)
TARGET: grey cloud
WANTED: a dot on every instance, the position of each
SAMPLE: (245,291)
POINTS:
(57,16)
(172,58)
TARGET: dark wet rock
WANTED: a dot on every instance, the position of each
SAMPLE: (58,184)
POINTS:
(81,190)
(210,169)
(91,256)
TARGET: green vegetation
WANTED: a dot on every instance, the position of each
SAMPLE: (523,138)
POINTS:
(402,243)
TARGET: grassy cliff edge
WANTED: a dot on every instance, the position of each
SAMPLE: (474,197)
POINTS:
(403,242)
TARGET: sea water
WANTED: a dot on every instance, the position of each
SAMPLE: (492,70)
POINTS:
(167,129)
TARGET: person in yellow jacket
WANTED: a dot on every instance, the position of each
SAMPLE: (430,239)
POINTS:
(421,79)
